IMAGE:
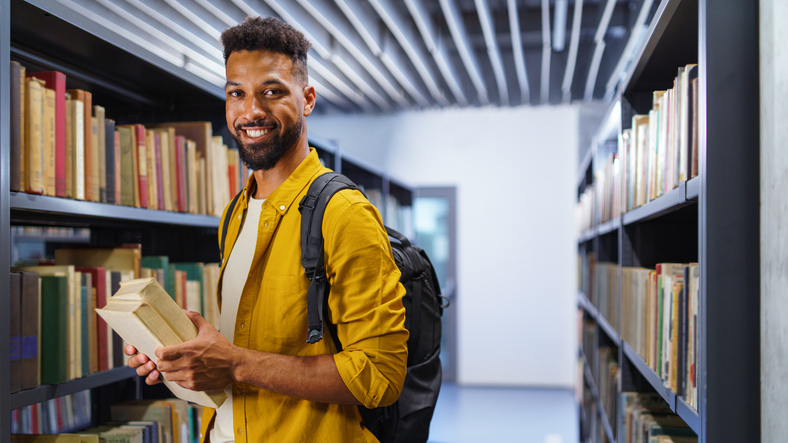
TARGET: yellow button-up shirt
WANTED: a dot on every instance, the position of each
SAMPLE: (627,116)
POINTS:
(365,303)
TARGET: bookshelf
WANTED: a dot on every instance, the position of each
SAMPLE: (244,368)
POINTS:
(711,219)
(135,86)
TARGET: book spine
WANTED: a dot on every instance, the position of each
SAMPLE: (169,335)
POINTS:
(30,330)
(60,133)
(159,166)
(118,190)
(35,130)
(15,350)
(50,161)
(100,168)
(89,146)
(69,164)
(79,149)
(109,160)
(142,160)
(95,161)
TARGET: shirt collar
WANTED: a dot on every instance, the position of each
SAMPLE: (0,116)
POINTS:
(285,194)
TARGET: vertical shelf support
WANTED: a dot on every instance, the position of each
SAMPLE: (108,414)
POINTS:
(5,215)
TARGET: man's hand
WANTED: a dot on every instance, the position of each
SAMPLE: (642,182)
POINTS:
(145,367)
(203,363)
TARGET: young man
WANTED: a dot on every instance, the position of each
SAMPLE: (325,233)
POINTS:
(281,388)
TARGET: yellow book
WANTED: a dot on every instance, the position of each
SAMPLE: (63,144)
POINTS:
(145,316)
(113,259)
(166,142)
(94,160)
(34,179)
(150,165)
(99,166)
(69,148)
(674,336)
(49,141)
(147,410)
(78,141)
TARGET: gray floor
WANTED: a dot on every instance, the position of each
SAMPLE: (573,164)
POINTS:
(493,415)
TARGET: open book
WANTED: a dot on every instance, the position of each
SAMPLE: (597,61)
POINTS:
(146,317)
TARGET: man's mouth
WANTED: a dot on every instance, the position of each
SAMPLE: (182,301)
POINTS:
(256,132)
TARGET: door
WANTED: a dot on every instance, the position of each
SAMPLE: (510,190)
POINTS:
(435,224)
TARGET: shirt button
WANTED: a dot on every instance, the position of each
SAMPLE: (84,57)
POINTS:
(243,326)
(282,207)
(240,431)
(239,216)
(266,225)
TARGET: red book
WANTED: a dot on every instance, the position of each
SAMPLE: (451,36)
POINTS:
(57,81)
(180,151)
(160,188)
(233,175)
(139,151)
(100,284)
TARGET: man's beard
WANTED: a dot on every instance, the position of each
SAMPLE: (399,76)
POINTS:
(266,154)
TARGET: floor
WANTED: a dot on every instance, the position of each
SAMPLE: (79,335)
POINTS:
(496,415)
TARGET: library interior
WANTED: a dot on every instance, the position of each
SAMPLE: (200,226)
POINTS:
(625,287)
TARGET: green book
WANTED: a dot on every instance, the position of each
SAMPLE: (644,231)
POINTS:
(194,273)
(54,331)
(87,289)
(160,262)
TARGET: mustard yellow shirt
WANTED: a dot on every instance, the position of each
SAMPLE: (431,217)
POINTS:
(365,303)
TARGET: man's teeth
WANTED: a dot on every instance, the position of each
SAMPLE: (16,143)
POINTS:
(257,132)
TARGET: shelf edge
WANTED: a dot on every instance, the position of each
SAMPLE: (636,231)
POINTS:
(46,392)
(651,377)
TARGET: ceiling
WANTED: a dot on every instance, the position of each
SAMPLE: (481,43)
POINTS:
(391,55)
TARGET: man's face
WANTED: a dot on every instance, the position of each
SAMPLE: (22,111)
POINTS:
(265,106)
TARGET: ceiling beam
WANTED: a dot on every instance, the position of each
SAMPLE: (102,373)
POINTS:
(415,51)
(547,50)
(599,49)
(217,12)
(327,17)
(195,19)
(390,55)
(491,43)
(574,43)
(460,37)
(517,50)
(428,32)
(636,35)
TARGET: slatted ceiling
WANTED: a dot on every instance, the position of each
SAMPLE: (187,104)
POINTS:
(390,55)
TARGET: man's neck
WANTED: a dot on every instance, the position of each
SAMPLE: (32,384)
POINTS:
(268,181)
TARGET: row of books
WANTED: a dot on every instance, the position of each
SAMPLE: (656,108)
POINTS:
(608,381)
(607,189)
(44,232)
(661,310)
(584,211)
(65,146)
(56,334)
(605,290)
(647,418)
(660,150)
(150,421)
(54,416)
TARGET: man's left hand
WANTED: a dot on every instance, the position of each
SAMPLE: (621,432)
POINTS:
(203,363)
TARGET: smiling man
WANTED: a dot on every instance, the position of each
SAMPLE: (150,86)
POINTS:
(282,389)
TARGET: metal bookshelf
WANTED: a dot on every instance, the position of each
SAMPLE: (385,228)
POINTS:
(45,35)
(712,218)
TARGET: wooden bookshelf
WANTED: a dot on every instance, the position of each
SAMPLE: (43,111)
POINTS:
(712,219)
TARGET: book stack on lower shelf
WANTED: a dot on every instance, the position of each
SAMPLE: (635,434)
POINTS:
(64,145)
(646,418)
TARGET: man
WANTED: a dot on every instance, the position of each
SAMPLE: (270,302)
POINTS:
(280,388)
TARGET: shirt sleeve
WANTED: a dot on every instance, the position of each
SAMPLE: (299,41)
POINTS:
(365,301)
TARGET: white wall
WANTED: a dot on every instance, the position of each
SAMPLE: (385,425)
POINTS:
(515,173)
(774,219)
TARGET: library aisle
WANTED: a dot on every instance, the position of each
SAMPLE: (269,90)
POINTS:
(467,414)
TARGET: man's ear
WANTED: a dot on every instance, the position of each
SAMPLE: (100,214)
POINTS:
(310,97)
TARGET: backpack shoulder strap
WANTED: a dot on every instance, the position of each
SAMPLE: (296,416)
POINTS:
(312,208)
(228,215)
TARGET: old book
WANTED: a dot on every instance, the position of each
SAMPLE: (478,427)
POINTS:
(56,81)
(15,315)
(150,164)
(99,284)
(34,167)
(82,127)
(87,111)
(220,171)
(54,329)
(94,160)
(139,165)
(100,156)
(17,124)
(31,294)
(146,317)
(49,141)
(167,142)
(147,410)
(69,166)
(158,166)
(108,170)
(180,173)
(127,178)
(115,259)
(191,170)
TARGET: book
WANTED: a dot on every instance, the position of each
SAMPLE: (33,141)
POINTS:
(49,141)
(118,192)
(69,166)
(180,173)
(127,170)
(46,438)
(99,285)
(87,112)
(160,412)
(158,166)
(109,170)
(54,329)
(34,167)
(159,262)
(17,131)
(145,316)
(116,259)
(56,82)
(100,156)
(191,171)
(94,159)
(82,128)
(83,357)
(15,326)
(150,165)
(31,295)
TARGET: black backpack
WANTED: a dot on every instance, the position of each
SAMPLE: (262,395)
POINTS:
(408,419)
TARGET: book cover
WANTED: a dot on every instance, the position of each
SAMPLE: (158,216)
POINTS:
(159,164)
(94,160)
(147,410)
(30,291)
(191,171)
(100,157)
(145,316)
(150,165)
(109,161)
(87,112)
(54,329)
(127,177)
(49,142)
(56,81)
(84,324)
(115,344)
(167,143)
(69,166)
(180,173)
(98,277)
(15,326)
(34,180)
(16,131)
(81,129)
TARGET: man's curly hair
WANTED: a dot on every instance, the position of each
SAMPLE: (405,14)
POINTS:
(272,34)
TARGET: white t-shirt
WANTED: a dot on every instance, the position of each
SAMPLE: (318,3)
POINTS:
(235,274)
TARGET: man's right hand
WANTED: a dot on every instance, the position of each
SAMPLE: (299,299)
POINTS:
(145,367)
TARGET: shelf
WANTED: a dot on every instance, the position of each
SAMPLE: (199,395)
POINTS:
(46,392)
(672,201)
(587,235)
(54,206)
(651,377)
(609,226)
(693,188)
(688,414)
(585,304)
(600,319)
(589,377)
(50,238)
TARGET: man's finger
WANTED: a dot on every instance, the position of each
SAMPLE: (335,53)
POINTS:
(197,319)
(168,353)
(130,350)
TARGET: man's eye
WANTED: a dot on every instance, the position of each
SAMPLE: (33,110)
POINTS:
(235,93)
(271,92)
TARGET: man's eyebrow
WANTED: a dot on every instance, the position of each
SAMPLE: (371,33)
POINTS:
(275,81)
(231,83)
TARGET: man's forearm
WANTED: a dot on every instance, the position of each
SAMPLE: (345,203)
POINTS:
(313,378)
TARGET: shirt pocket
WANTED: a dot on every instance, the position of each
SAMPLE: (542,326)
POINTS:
(284,309)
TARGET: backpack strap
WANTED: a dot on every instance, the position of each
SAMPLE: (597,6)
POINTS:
(312,208)
(227,217)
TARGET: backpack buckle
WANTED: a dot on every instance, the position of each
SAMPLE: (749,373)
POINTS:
(309,202)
